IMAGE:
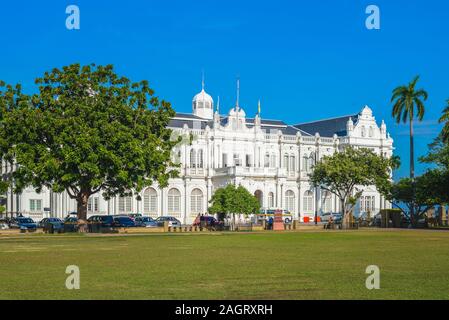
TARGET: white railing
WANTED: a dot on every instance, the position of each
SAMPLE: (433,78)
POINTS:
(309,139)
(252,171)
(289,138)
(327,140)
(195,171)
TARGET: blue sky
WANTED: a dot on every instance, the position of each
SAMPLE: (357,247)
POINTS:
(305,60)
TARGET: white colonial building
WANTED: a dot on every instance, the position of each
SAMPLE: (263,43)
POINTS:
(271,158)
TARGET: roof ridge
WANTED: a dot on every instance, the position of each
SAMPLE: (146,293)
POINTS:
(347,116)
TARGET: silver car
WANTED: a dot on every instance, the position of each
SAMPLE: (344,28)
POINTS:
(172,221)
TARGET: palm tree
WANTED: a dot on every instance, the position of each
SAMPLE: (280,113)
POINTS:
(406,100)
(445,118)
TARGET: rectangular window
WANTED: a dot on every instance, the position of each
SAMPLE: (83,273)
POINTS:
(35,205)
(89,204)
(121,204)
(248,160)
(96,204)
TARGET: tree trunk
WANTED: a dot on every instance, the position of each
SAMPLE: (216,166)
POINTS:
(81,205)
(412,172)
(343,214)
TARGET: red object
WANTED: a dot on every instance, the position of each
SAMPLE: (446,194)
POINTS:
(318,219)
(278,223)
(306,219)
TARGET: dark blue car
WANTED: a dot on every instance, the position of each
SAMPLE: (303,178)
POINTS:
(124,222)
(100,224)
(22,223)
(147,222)
(51,225)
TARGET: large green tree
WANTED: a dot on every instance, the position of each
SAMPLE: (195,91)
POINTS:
(11,98)
(232,200)
(345,172)
(88,130)
(423,193)
(438,157)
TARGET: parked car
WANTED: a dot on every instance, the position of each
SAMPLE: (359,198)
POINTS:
(71,224)
(326,216)
(22,223)
(100,223)
(147,222)
(52,225)
(172,221)
(124,222)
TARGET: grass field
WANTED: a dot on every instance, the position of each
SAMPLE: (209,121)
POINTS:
(290,265)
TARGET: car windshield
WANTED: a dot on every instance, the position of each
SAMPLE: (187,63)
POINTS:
(147,219)
(105,218)
(54,220)
(25,220)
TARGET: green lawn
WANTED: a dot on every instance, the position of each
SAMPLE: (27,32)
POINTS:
(290,265)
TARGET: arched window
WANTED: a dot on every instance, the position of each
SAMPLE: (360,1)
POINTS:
(270,200)
(125,204)
(363,131)
(192,158)
(290,201)
(174,201)
(150,201)
(326,202)
(196,202)
(308,201)
(371,132)
(286,161)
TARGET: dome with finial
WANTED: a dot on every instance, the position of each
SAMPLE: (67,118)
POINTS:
(203,104)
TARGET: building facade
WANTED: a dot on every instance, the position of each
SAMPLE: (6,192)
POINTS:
(271,158)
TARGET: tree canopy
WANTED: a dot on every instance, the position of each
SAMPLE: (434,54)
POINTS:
(343,173)
(233,200)
(87,129)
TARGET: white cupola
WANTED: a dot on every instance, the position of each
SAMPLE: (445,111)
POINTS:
(203,105)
